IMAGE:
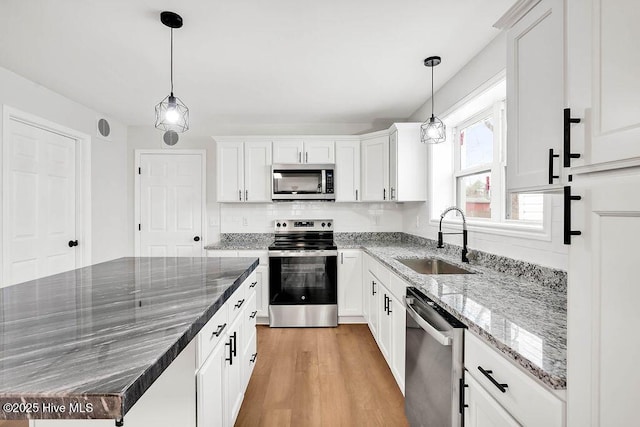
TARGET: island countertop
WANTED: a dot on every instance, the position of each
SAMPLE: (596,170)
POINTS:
(103,334)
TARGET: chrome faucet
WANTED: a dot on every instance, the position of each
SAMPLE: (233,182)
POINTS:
(464,231)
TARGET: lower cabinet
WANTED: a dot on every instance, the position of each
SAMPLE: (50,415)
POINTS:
(482,410)
(349,282)
(386,315)
(498,393)
(223,376)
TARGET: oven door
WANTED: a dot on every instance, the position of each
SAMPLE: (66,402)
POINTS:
(303,277)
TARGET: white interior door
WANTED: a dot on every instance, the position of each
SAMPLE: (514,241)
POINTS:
(39,203)
(171,205)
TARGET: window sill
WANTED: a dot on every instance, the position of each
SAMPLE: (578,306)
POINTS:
(523,231)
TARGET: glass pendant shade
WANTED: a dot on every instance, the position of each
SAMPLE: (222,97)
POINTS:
(433,131)
(172,114)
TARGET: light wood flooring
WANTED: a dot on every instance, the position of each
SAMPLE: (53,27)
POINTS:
(321,377)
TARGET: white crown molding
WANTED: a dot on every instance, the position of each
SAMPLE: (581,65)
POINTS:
(515,13)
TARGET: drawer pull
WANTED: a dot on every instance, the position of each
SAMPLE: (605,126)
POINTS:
(253,357)
(219,331)
(239,304)
(253,315)
(487,373)
(230,358)
(253,284)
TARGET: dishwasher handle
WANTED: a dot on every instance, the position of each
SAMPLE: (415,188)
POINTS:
(426,326)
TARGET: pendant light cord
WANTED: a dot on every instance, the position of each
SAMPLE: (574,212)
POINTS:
(432,108)
(172,64)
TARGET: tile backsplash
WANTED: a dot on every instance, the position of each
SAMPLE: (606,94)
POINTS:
(361,217)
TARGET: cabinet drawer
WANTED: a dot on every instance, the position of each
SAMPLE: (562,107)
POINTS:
(397,286)
(212,333)
(238,300)
(525,399)
(379,270)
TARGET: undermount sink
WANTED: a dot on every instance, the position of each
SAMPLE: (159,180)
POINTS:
(432,266)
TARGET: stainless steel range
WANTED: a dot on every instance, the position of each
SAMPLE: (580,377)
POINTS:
(303,274)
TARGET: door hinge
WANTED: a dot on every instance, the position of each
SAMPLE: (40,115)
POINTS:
(139,227)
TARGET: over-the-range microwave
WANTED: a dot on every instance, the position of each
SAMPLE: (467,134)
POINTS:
(303,182)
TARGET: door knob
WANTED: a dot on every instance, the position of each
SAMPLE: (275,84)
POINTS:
(73,243)
(196,239)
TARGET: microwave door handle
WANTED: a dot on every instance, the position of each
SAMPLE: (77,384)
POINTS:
(324,181)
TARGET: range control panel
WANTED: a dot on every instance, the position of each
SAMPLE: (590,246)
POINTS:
(284,225)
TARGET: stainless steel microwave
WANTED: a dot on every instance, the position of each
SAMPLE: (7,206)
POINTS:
(303,182)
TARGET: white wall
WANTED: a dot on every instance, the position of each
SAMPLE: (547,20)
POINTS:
(199,137)
(108,159)
(550,252)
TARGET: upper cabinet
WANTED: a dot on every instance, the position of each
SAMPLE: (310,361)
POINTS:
(299,151)
(407,164)
(603,88)
(375,168)
(244,171)
(347,171)
(394,165)
(535,99)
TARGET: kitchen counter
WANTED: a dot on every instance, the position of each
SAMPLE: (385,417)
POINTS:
(104,333)
(242,241)
(526,320)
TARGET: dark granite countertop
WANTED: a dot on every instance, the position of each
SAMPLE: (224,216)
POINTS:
(525,319)
(104,333)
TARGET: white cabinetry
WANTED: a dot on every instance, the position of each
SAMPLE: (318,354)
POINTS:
(347,171)
(523,399)
(375,168)
(603,86)
(244,171)
(483,410)
(535,98)
(602,314)
(211,382)
(349,282)
(407,164)
(299,151)
(386,314)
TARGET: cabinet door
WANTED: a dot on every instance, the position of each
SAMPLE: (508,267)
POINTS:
(375,169)
(211,382)
(384,325)
(248,339)
(602,314)
(230,160)
(350,283)
(398,338)
(257,171)
(535,96)
(482,410)
(603,86)
(288,151)
(393,166)
(319,152)
(347,171)
(373,286)
(262,291)
(235,383)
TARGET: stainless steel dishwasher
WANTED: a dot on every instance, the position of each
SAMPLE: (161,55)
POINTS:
(434,370)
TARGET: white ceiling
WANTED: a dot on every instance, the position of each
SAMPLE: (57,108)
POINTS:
(242,61)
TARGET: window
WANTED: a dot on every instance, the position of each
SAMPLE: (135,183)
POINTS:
(477,174)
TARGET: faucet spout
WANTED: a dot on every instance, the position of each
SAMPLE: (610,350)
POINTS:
(464,231)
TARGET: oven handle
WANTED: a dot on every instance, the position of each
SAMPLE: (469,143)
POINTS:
(428,328)
(300,254)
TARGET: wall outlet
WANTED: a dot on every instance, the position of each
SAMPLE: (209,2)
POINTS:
(245,221)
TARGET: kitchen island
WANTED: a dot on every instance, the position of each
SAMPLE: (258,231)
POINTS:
(88,343)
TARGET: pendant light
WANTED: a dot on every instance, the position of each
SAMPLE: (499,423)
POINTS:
(171,113)
(432,131)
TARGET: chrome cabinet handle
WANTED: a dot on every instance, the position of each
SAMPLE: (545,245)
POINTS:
(300,157)
(342,258)
(219,331)
(392,193)
(487,373)
(356,195)
(306,157)
(246,195)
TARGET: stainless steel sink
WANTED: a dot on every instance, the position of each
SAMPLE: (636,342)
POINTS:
(432,266)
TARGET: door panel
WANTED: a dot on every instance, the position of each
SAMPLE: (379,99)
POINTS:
(41,201)
(171,205)
(257,171)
